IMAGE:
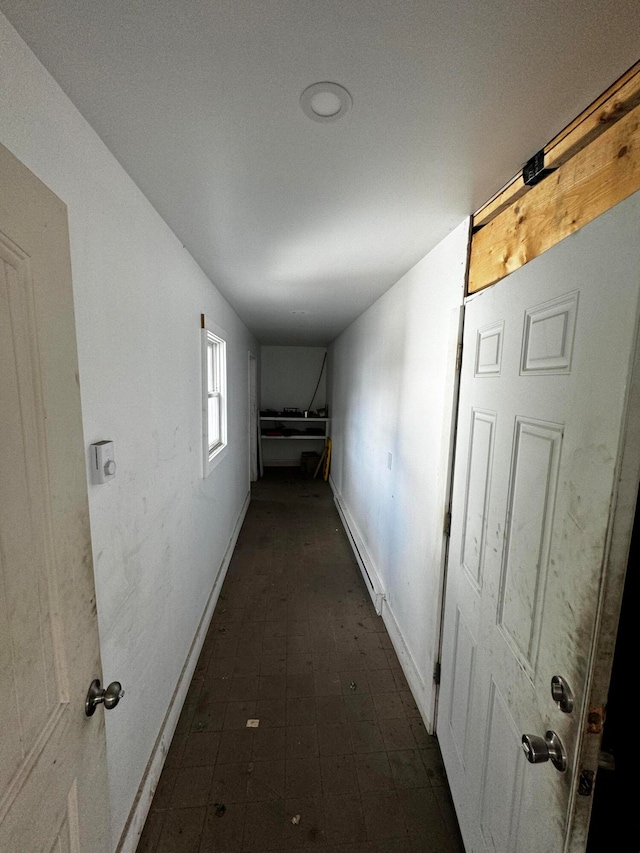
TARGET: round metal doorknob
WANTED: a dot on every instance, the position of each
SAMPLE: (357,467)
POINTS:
(110,696)
(548,748)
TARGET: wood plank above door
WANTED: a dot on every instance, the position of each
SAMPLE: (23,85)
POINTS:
(594,164)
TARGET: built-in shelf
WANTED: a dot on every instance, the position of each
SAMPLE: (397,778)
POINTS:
(289,419)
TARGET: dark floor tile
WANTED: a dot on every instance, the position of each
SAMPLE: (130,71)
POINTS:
(303,777)
(421,813)
(229,783)
(295,644)
(221,667)
(388,706)
(273,665)
(191,787)
(408,769)
(443,798)
(326,683)
(275,629)
(200,748)
(176,750)
(209,716)
(410,706)
(223,828)
(272,686)
(397,734)
(299,645)
(271,712)
(181,831)
(243,688)
(300,664)
(338,774)
(266,780)
(374,772)
(304,824)
(422,737)
(301,741)
(300,686)
(185,719)
(376,659)
(330,709)
(264,826)
(366,736)
(334,739)
(381,681)
(274,646)
(325,661)
(237,714)
(344,819)
(383,816)
(301,711)
(359,706)
(151,832)
(354,681)
(235,746)
(434,767)
(164,789)
(268,743)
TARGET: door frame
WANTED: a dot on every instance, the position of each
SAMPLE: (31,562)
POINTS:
(620,530)
(252,364)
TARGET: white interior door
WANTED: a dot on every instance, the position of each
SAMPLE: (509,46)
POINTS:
(543,395)
(53,787)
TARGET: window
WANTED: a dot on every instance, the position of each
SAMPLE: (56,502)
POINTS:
(214,374)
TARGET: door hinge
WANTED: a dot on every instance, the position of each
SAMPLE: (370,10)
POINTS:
(447,524)
(459,358)
(437,672)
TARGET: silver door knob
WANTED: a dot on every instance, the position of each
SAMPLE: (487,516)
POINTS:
(109,697)
(548,748)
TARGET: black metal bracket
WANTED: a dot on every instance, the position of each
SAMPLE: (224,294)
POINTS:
(534,170)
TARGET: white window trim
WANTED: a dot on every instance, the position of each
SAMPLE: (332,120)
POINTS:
(212,455)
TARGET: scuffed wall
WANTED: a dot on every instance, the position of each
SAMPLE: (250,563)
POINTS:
(391,382)
(160,531)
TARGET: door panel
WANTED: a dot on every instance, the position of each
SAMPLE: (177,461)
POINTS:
(546,364)
(52,769)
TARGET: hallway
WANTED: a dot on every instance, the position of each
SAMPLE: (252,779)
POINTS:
(339,759)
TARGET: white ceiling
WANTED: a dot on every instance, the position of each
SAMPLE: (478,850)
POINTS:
(199,101)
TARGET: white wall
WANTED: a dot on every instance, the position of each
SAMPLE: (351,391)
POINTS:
(391,381)
(160,532)
(289,376)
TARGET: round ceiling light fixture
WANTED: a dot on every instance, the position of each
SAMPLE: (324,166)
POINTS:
(325,101)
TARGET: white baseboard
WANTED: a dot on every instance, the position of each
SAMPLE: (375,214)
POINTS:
(142,803)
(363,558)
(423,698)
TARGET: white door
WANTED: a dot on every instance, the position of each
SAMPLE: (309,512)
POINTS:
(53,790)
(546,362)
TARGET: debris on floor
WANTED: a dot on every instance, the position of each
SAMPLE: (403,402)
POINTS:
(253,724)
(295,820)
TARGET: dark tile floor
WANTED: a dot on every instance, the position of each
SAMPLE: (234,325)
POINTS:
(337,759)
